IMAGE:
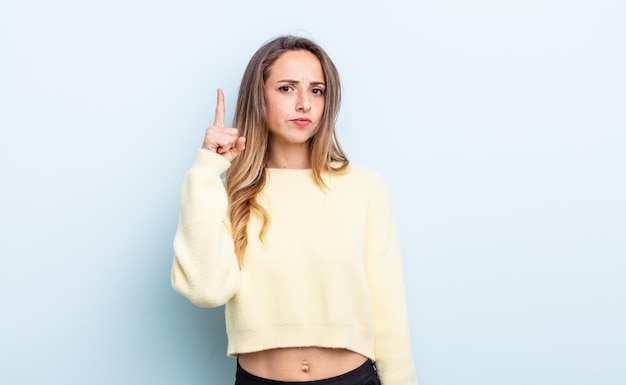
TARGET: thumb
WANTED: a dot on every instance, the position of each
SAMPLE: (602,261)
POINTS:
(236,149)
(239,146)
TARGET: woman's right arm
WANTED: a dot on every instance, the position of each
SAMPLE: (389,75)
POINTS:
(205,268)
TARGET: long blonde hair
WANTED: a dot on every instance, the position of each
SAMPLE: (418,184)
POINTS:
(246,176)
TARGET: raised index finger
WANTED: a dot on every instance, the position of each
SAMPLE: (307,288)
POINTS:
(220,110)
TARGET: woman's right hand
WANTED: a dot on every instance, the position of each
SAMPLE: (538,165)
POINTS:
(223,140)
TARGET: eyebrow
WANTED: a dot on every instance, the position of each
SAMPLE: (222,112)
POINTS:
(297,82)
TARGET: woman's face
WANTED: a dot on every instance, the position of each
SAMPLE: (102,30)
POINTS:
(294,98)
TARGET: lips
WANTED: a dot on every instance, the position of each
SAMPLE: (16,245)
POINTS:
(301,122)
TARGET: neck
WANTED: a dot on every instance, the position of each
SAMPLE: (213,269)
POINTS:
(293,156)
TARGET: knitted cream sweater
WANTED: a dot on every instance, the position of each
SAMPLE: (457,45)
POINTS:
(328,273)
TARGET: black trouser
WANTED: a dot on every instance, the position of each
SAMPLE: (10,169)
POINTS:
(363,375)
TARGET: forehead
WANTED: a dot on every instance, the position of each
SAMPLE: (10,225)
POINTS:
(295,64)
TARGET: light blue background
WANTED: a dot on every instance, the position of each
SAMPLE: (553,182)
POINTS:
(500,127)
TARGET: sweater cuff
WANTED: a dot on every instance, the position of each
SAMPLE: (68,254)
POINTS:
(211,161)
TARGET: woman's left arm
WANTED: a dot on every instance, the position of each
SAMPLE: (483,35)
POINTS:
(385,276)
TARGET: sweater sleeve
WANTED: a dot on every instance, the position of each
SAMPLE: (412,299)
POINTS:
(392,343)
(205,268)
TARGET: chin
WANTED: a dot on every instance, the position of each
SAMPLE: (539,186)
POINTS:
(299,139)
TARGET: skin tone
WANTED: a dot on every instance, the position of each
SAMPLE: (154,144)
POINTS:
(300,364)
(294,96)
(223,140)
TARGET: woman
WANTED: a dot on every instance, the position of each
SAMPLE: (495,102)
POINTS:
(298,243)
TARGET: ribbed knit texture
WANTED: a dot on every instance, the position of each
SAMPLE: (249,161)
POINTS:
(328,274)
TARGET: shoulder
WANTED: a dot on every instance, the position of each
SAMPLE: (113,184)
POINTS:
(362,178)
(366,174)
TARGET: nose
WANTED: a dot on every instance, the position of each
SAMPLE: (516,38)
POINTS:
(304,102)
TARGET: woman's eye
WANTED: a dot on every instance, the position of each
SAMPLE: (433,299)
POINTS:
(284,88)
(318,91)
